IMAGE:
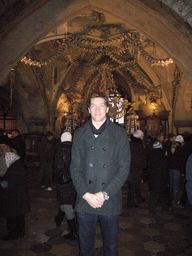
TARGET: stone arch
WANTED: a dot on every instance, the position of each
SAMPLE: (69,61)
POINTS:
(157,24)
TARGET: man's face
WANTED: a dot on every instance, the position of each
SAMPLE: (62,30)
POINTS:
(3,147)
(173,138)
(161,138)
(50,137)
(98,110)
(14,134)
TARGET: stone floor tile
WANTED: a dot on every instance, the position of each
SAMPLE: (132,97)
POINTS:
(174,249)
(41,247)
(162,239)
(136,228)
(98,242)
(73,243)
(173,226)
(53,232)
(150,232)
(25,253)
(124,224)
(182,217)
(98,229)
(125,251)
(154,247)
(99,251)
(167,216)
(143,211)
(189,250)
(125,237)
(147,220)
(61,249)
(6,245)
(54,240)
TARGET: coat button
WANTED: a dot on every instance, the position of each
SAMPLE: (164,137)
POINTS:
(90,181)
(90,164)
(92,147)
(104,166)
(104,149)
(103,183)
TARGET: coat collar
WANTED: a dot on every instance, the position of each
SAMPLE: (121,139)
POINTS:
(89,136)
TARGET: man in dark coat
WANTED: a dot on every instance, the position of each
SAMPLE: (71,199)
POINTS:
(18,144)
(158,177)
(138,163)
(14,191)
(99,168)
(66,193)
(46,152)
(175,162)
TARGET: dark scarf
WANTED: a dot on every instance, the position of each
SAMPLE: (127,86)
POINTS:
(101,128)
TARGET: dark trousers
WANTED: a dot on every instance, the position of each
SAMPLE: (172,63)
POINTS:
(46,171)
(87,227)
(16,226)
(134,189)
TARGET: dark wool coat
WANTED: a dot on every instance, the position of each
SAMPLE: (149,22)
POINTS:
(18,144)
(46,149)
(66,193)
(158,172)
(138,160)
(100,164)
(175,161)
(189,178)
(15,197)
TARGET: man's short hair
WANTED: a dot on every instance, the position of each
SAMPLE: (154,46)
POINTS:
(49,134)
(99,95)
(159,135)
(16,130)
(171,135)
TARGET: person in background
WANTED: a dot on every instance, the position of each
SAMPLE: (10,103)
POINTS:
(138,163)
(18,144)
(99,168)
(168,142)
(187,151)
(14,194)
(189,178)
(46,153)
(158,178)
(175,164)
(66,193)
(160,137)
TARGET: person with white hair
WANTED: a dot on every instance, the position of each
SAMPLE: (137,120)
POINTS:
(66,193)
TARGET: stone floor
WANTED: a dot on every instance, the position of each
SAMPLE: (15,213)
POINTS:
(167,234)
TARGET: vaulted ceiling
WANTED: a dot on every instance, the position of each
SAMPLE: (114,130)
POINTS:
(55,52)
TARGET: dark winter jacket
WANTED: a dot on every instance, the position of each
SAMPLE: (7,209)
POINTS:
(18,144)
(46,148)
(15,197)
(175,160)
(100,164)
(158,172)
(189,178)
(66,193)
(138,160)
